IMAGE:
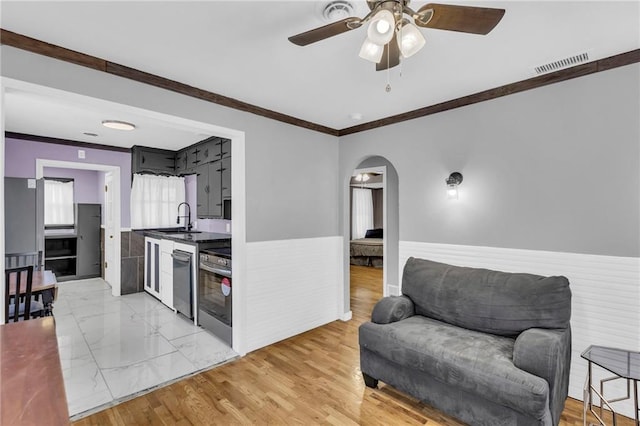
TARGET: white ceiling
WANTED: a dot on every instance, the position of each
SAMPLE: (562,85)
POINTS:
(240,49)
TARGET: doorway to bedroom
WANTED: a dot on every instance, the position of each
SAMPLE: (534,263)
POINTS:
(369,270)
(366,246)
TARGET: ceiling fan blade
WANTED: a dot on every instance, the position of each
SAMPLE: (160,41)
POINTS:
(465,19)
(390,55)
(326,31)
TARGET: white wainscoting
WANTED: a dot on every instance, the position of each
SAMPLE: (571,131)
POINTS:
(605,297)
(291,286)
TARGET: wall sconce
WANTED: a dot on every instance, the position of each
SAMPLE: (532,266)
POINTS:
(453,181)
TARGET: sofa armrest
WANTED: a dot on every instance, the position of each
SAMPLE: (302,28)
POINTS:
(391,309)
(547,354)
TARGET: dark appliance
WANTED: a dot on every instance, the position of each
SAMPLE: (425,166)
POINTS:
(182,283)
(214,292)
(23,215)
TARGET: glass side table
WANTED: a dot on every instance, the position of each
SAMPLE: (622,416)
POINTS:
(625,365)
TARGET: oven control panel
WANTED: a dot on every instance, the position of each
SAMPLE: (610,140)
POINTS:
(212,260)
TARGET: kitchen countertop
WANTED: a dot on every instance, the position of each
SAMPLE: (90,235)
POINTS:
(198,238)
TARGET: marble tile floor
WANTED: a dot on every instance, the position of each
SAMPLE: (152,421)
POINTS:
(114,348)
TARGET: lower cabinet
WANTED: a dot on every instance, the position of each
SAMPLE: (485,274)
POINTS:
(159,269)
(166,273)
(152,266)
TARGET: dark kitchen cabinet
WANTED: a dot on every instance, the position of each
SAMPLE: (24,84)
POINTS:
(209,194)
(88,234)
(60,256)
(210,150)
(182,163)
(72,256)
(225,148)
(225,177)
(204,152)
(154,160)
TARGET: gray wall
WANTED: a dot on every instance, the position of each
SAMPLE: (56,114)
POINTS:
(284,199)
(555,168)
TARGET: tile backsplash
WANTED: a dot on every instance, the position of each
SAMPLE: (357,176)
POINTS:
(220,226)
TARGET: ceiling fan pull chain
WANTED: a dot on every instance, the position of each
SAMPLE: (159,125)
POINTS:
(388,88)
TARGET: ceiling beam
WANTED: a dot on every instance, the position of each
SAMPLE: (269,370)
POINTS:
(57,141)
(43,48)
(508,89)
(39,47)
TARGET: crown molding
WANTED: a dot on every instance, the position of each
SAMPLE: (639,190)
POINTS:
(23,42)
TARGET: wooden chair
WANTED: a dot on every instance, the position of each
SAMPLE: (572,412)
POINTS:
(18,260)
(20,305)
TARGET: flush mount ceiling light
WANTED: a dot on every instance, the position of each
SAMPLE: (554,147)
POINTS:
(118,125)
(394,19)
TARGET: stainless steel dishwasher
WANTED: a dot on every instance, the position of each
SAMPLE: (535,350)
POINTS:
(183,282)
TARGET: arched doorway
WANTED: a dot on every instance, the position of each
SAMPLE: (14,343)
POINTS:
(382,172)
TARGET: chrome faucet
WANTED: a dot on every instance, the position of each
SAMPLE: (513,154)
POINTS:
(188,225)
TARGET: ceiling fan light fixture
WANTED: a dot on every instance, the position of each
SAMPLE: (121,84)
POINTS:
(381,27)
(371,51)
(410,40)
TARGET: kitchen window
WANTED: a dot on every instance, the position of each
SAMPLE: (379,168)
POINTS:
(58,203)
(154,200)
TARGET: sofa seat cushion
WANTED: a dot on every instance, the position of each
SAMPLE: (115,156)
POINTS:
(475,362)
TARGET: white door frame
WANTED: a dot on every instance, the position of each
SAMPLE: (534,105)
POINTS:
(385,257)
(41,163)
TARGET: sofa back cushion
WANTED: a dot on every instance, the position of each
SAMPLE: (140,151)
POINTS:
(494,302)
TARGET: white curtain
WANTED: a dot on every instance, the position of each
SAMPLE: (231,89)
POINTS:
(361,212)
(58,203)
(155,199)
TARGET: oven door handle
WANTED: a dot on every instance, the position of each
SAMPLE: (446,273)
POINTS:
(223,272)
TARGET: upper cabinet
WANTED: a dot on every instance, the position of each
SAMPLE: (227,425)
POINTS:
(145,159)
(182,162)
(209,190)
(209,159)
(225,176)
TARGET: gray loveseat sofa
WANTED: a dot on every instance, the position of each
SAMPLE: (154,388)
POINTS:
(487,347)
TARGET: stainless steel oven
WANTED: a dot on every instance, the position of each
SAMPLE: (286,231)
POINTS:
(215,293)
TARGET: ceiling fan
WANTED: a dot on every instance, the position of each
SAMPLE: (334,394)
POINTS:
(391,34)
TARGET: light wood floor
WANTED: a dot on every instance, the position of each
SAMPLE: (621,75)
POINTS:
(312,378)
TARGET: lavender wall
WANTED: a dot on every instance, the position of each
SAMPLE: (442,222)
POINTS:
(21,155)
(85,183)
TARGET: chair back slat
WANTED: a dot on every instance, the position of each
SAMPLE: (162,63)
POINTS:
(18,260)
(21,274)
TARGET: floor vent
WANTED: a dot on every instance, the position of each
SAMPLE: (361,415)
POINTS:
(562,63)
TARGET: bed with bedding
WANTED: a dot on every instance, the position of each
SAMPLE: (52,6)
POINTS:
(367,251)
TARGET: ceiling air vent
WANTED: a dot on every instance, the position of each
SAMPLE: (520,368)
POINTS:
(562,63)
(336,10)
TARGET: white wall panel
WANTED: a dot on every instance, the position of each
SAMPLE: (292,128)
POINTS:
(605,296)
(291,286)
